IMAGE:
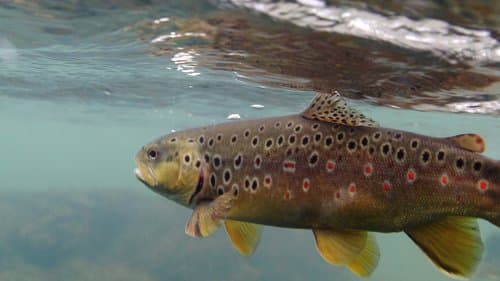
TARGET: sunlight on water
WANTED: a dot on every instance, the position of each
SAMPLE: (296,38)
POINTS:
(81,92)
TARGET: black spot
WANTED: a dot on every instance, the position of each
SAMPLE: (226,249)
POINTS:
(398,136)
(351,145)
(255,184)
(328,141)
(289,125)
(289,152)
(426,156)
(197,164)
(237,160)
(217,161)
(227,175)
(246,133)
(255,141)
(257,161)
(315,126)
(190,140)
(261,129)
(247,183)
(298,128)
(460,163)
(313,160)
(371,150)
(173,140)
(219,137)
(305,140)
(269,143)
(414,144)
(211,142)
(477,166)
(364,141)
(213,180)
(317,137)
(277,124)
(187,158)
(400,154)
(377,136)
(207,158)
(235,190)
(201,139)
(340,136)
(386,148)
(291,139)
(234,139)
(440,155)
(281,139)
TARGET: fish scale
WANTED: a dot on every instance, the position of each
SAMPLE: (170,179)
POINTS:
(335,171)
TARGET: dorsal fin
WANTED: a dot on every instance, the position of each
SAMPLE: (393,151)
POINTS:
(470,142)
(333,108)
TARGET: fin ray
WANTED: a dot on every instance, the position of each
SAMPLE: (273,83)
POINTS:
(244,236)
(339,247)
(207,216)
(454,244)
(366,262)
(334,109)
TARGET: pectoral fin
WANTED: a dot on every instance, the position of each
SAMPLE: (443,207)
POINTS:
(334,109)
(357,250)
(207,216)
(454,244)
(244,236)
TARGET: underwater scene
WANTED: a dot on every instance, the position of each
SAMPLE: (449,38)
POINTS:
(85,84)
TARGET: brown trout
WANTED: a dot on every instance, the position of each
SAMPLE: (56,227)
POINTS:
(335,171)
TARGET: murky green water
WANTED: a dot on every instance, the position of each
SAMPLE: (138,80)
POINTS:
(82,87)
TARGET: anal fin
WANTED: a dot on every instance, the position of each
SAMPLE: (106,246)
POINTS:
(207,216)
(244,236)
(357,250)
(454,244)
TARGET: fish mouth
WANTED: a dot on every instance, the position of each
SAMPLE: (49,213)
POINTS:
(147,179)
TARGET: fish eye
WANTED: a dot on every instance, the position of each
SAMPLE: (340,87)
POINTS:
(153,154)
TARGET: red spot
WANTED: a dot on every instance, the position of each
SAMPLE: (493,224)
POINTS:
(368,170)
(387,186)
(411,175)
(305,184)
(479,140)
(330,165)
(443,180)
(267,180)
(483,185)
(289,164)
(337,195)
(287,195)
(352,188)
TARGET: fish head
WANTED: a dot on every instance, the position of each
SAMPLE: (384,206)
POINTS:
(171,167)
